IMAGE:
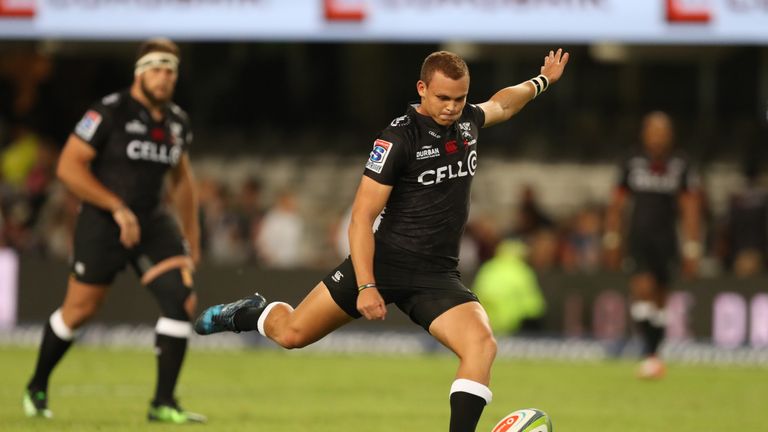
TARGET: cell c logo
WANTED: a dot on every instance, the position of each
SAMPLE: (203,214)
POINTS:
(472,162)
(17,8)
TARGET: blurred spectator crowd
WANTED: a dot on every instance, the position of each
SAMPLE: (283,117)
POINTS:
(253,221)
(273,217)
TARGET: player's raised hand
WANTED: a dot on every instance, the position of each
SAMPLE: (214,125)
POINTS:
(371,304)
(554,65)
(130,232)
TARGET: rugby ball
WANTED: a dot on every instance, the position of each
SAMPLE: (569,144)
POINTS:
(525,420)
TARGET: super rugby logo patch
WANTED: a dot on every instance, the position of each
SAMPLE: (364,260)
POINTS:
(88,125)
(379,155)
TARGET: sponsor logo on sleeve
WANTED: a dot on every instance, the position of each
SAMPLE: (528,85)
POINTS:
(88,125)
(379,155)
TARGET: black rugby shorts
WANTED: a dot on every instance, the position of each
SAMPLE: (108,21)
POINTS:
(654,254)
(99,256)
(423,296)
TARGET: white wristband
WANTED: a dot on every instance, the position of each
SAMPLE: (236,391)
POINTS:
(540,85)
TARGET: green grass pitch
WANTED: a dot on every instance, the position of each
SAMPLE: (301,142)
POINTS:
(97,389)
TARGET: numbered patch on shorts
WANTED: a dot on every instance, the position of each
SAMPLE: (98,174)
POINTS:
(88,125)
(379,155)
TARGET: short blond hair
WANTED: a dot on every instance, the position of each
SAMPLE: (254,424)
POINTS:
(450,64)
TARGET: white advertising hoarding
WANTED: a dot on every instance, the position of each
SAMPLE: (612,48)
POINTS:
(9,282)
(634,21)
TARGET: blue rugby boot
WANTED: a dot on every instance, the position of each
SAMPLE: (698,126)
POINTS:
(221,317)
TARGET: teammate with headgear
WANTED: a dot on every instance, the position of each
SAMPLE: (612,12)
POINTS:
(116,160)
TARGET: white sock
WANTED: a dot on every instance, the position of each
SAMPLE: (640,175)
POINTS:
(60,328)
(174,328)
(473,388)
(643,310)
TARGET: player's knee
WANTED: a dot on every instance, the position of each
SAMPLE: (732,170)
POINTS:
(643,286)
(488,345)
(172,295)
(190,304)
(293,338)
(483,347)
(81,310)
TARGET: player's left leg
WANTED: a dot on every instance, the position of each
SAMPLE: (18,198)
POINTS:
(465,330)
(170,282)
(81,302)
(643,307)
(652,366)
(649,300)
(315,317)
(330,305)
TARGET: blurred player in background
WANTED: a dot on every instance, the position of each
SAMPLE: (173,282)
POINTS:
(419,173)
(663,188)
(116,161)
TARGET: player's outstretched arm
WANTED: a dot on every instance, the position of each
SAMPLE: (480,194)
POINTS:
(510,100)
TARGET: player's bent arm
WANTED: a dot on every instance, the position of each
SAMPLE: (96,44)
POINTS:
(510,100)
(690,215)
(370,199)
(185,201)
(613,220)
(74,171)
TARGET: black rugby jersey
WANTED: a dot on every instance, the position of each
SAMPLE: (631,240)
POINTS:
(430,168)
(133,151)
(655,186)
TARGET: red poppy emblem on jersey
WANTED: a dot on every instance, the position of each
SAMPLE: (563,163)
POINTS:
(658,168)
(157,135)
(451,147)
